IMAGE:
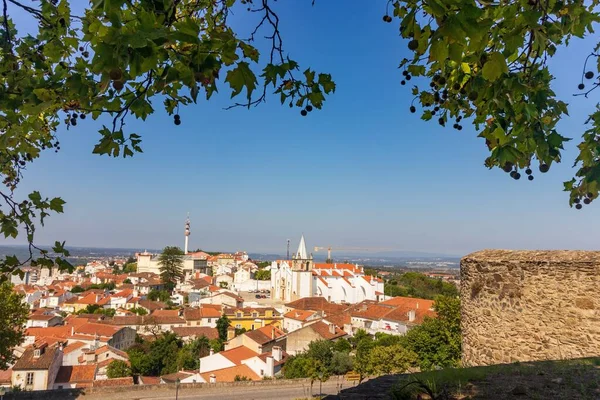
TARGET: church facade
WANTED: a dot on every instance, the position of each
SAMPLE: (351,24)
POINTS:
(339,283)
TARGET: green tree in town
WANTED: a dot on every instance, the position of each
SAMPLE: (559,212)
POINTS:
(383,360)
(297,367)
(159,295)
(321,351)
(77,289)
(317,371)
(170,263)
(189,355)
(222,326)
(342,345)
(262,275)
(118,369)
(127,281)
(130,268)
(158,357)
(437,341)
(139,311)
(12,320)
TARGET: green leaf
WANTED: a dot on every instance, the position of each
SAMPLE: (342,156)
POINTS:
(56,204)
(494,67)
(239,77)
(438,51)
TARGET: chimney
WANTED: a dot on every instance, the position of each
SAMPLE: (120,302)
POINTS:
(270,371)
(417,305)
(332,329)
(213,378)
(411,315)
(272,333)
(212,352)
(260,349)
(72,330)
(277,353)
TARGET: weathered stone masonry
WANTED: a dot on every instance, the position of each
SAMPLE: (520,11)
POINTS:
(529,305)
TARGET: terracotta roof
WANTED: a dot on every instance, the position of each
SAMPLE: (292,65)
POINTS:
(128,381)
(42,317)
(73,346)
(400,314)
(350,267)
(265,334)
(195,314)
(28,361)
(316,304)
(409,302)
(172,378)
(237,354)
(53,331)
(106,348)
(232,295)
(167,320)
(5,376)
(322,329)
(371,311)
(339,319)
(97,329)
(165,313)
(152,305)
(76,374)
(299,315)
(198,331)
(229,374)
(149,380)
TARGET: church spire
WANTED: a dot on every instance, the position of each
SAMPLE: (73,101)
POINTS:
(302,254)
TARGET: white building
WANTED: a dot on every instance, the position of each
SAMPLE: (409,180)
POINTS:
(339,283)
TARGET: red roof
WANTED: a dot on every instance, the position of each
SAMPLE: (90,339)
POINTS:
(323,330)
(229,374)
(299,315)
(79,374)
(237,354)
(197,331)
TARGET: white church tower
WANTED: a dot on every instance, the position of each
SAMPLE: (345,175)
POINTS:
(301,260)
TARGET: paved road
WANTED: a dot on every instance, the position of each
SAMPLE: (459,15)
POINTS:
(276,392)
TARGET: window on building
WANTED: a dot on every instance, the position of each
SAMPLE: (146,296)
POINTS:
(209,320)
(252,328)
(238,326)
(254,315)
(239,315)
(29,378)
(262,372)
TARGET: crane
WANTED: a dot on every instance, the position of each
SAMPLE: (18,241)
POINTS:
(329,248)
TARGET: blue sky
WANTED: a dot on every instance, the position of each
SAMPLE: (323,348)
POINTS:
(361,172)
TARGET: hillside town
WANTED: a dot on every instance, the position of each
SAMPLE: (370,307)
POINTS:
(253,316)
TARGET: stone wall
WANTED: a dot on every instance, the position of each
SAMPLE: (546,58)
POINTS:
(163,390)
(529,305)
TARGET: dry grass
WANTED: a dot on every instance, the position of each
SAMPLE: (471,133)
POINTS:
(547,380)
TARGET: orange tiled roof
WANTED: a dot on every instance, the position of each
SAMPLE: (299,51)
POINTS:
(165,313)
(73,346)
(237,354)
(299,315)
(114,382)
(322,329)
(265,334)
(229,374)
(76,374)
(198,331)
(409,302)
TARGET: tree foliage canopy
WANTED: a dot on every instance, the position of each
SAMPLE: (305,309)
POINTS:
(170,263)
(414,284)
(12,320)
(118,369)
(480,61)
(437,341)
